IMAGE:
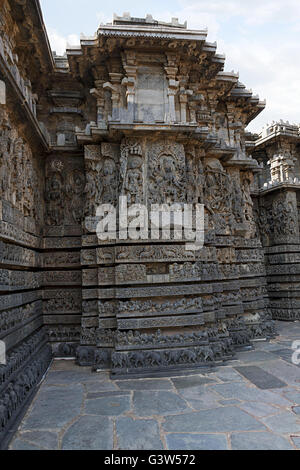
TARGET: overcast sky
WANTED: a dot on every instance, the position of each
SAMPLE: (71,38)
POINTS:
(260,38)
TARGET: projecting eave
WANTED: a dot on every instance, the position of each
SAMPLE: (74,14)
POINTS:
(278,131)
(141,31)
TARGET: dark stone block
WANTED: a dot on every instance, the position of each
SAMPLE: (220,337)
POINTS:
(261,378)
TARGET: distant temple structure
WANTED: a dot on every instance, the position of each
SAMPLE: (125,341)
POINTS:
(143,110)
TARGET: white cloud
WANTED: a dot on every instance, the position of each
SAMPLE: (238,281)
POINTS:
(59,42)
(254,11)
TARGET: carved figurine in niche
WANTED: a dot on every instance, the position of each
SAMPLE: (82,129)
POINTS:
(247,180)
(131,171)
(134,180)
(5,151)
(222,129)
(240,144)
(74,192)
(237,202)
(217,188)
(109,181)
(93,188)
(17,172)
(200,183)
(168,181)
(284,216)
(30,186)
(54,199)
(191,179)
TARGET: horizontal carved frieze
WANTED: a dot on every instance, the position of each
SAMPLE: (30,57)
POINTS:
(66,278)
(153,253)
(61,259)
(255,255)
(15,300)
(160,322)
(16,317)
(61,242)
(153,291)
(288,258)
(62,301)
(12,233)
(19,280)
(135,308)
(14,255)
(63,333)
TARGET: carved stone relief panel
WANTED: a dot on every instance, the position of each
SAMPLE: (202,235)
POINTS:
(166,173)
(64,191)
(132,171)
(102,178)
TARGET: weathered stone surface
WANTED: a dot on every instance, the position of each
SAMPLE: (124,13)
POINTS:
(243,392)
(44,416)
(157,402)
(285,422)
(192,381)
(259,441)
(108,406)
(209,421)
(138,434)
(260,378)
(89,433)
(196,442)
(160,384)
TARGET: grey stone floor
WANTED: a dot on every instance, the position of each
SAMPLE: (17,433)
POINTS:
(251,403)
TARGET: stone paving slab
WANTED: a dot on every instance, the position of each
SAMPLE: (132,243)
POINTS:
(197,442)
(296,441)
(54,408)
(151,384)
(89,433)
(259,440)
(218,420)
(192,381)
(158,403)
(138,434)
(232,407)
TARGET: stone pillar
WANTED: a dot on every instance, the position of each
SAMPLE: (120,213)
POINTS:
(2,93)
(98,93)
(115,87)
(171,71)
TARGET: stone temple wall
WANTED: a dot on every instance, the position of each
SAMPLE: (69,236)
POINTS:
(22,144)
(154,305)
(21,297)
(277,199)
